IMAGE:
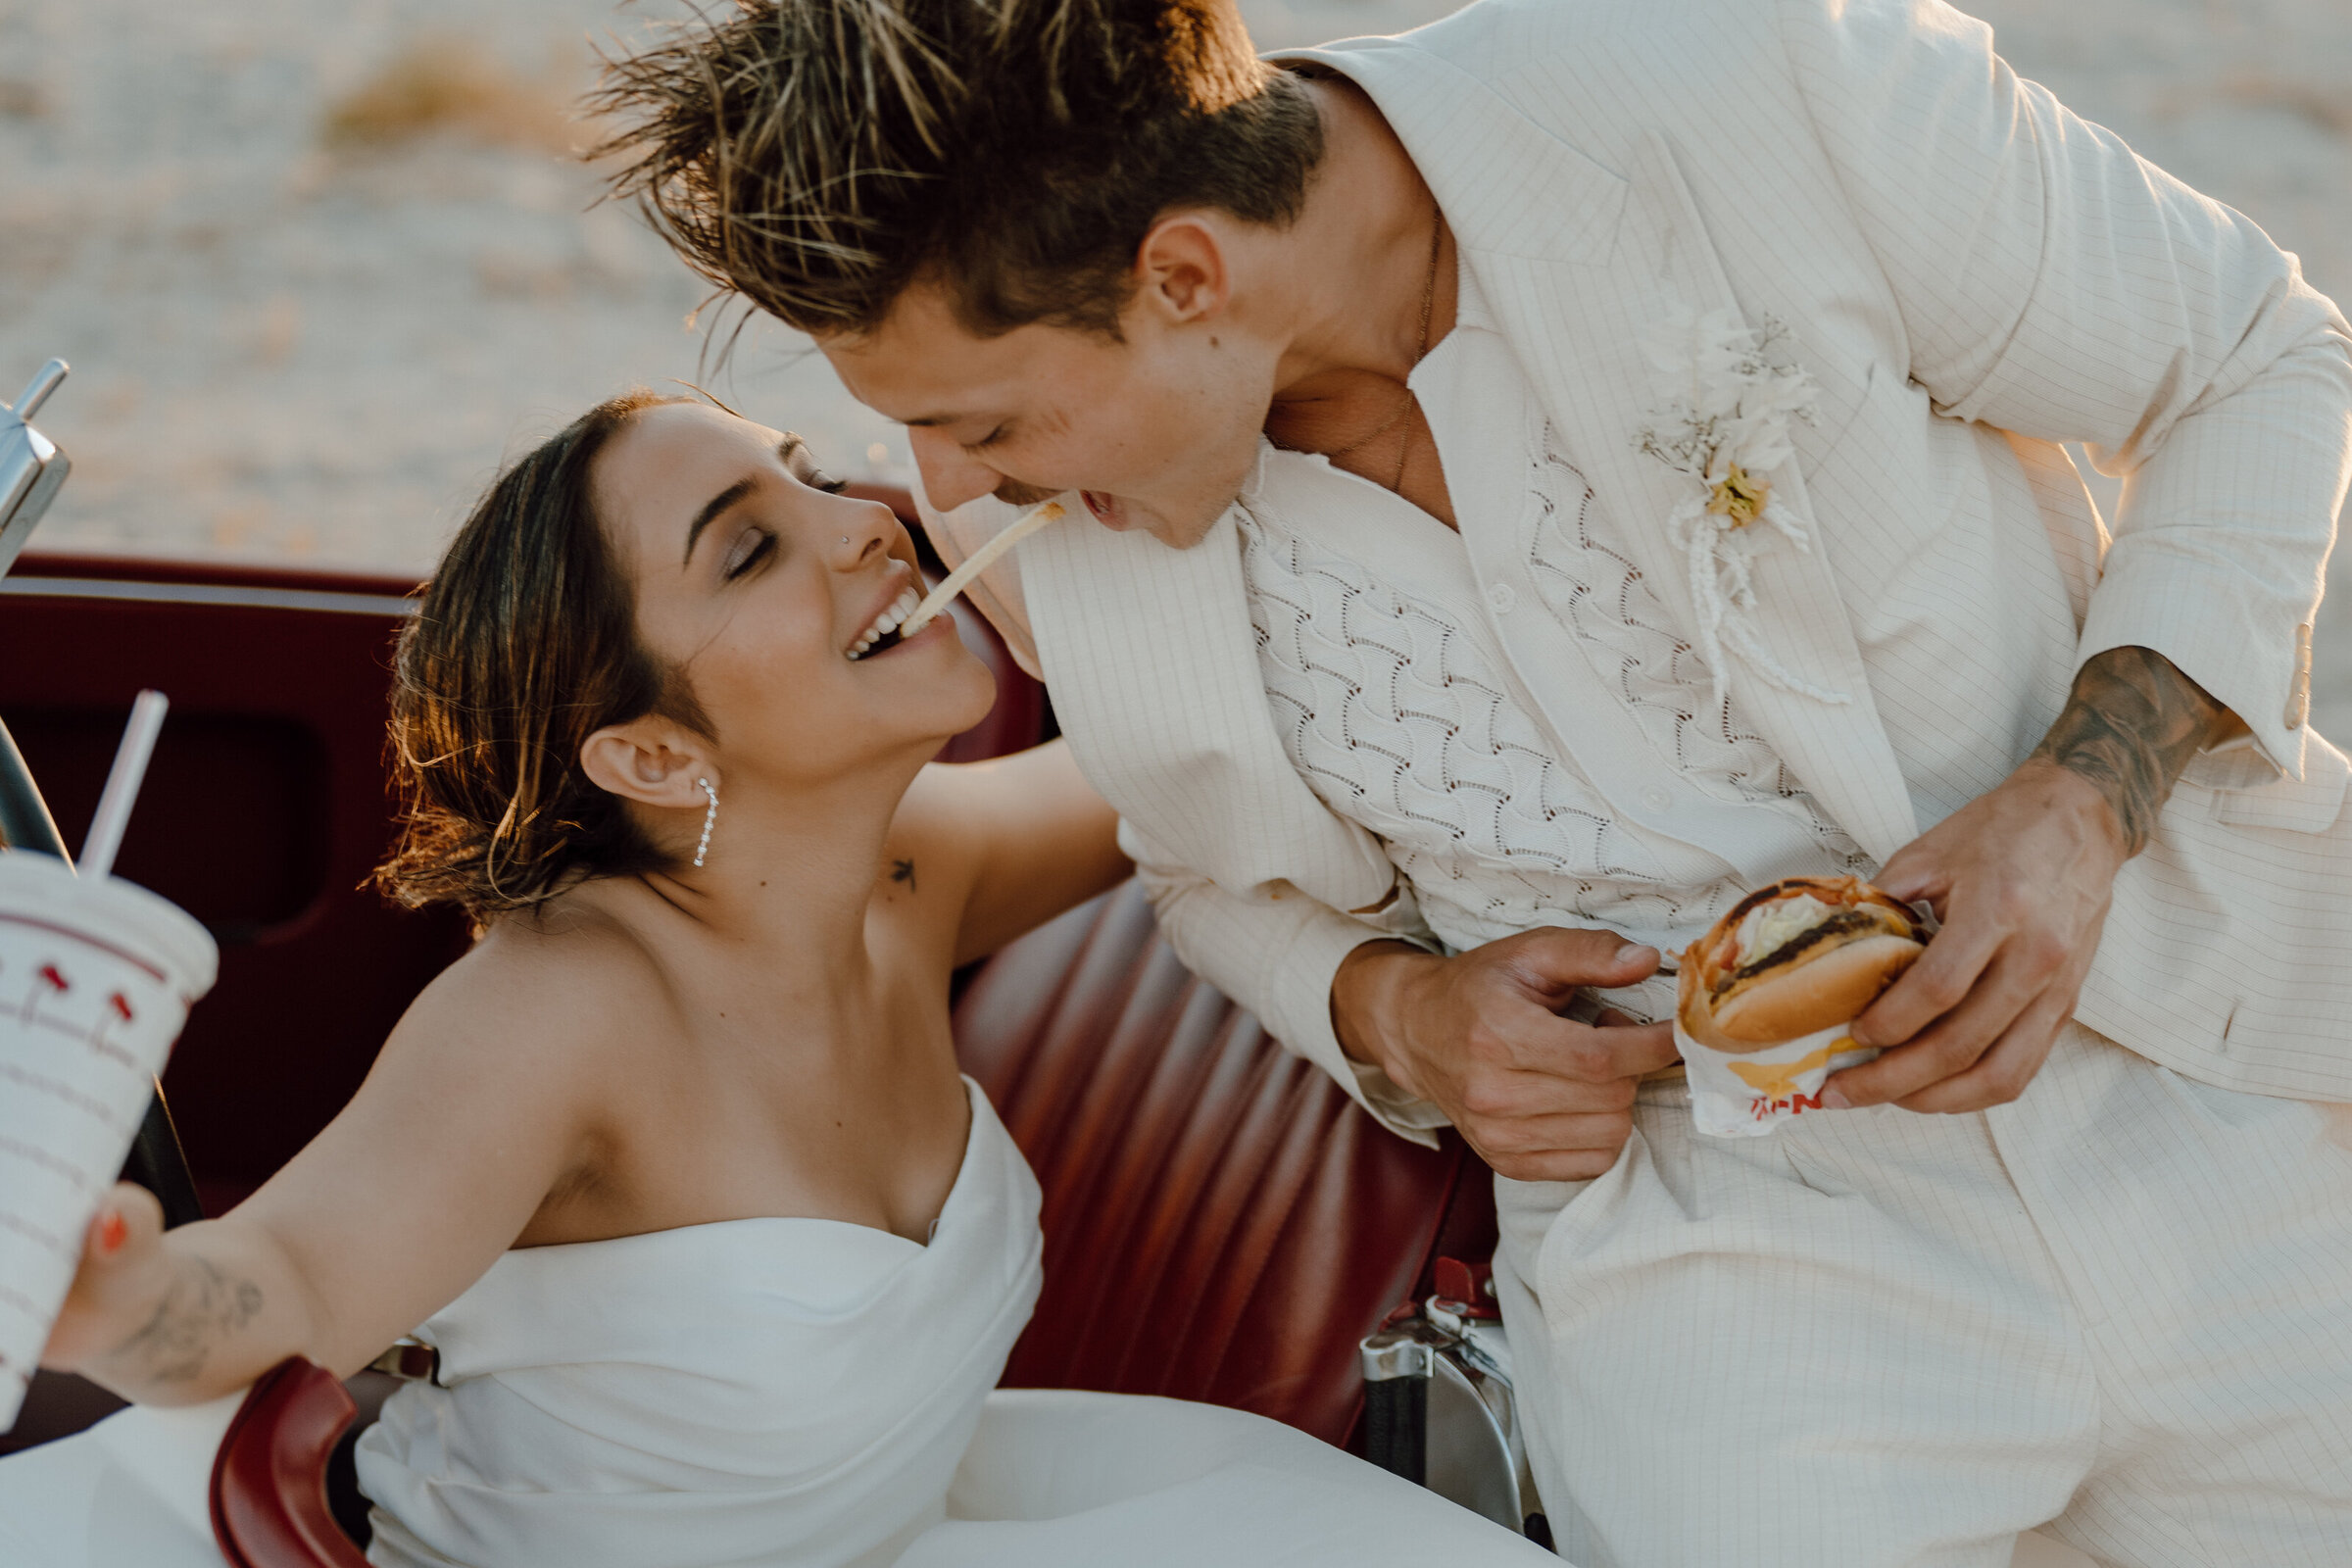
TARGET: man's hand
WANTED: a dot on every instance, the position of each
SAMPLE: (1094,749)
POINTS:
(2021,879)
(1479,1035)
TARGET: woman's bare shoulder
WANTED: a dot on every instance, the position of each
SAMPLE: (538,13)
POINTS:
(1026,837)
(934,849)
(963,810)
(548,992)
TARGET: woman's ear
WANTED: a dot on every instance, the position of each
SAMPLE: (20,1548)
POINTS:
(650,762)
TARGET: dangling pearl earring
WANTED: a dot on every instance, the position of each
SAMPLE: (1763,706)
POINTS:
(710,819)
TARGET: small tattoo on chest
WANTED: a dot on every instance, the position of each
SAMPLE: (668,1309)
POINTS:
(903,871)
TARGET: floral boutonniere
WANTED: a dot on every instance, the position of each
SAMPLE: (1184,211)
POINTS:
(1727,429)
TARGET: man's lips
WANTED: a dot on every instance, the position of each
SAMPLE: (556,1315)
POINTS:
(1105,506)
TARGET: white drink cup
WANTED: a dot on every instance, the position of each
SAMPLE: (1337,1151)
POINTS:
(96,977)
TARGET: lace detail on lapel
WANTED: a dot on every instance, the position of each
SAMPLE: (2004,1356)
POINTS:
(1603,600)
(1390,708)
(1390,712)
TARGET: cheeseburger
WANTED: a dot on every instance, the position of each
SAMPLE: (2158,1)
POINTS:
(1801,956)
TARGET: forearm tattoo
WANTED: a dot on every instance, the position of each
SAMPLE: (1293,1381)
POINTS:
(2131,726)
(203,1308)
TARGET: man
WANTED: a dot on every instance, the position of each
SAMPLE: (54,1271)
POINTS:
(1442,692)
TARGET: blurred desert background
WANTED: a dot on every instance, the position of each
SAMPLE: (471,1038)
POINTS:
(320,265)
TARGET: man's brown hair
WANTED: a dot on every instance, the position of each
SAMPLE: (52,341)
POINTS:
(524,646)
(819,156)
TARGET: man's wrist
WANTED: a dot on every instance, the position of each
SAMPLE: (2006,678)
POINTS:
(1364,995)
(2089,800)
(2131,726)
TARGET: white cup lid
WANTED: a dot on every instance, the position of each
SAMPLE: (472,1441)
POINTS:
(41,887)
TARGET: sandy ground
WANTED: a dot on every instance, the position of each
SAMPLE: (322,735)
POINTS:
(293,347)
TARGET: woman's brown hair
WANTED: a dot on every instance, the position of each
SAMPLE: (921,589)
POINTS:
(525,644)
(819,156)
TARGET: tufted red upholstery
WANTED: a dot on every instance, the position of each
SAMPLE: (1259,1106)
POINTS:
(1221,1222)
(270,1477)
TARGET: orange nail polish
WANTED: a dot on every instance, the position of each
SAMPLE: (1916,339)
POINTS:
(113,1230)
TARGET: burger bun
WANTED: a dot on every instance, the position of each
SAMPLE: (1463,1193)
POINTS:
(1832,990)
(1826,976)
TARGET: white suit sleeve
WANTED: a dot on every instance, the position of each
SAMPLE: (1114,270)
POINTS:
(2058,286)
(1275,952)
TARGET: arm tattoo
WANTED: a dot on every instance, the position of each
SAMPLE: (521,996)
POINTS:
(2131,726)
(203,1306)
(903,871)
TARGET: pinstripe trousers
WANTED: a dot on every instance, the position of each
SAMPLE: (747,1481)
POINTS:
(2119,1309)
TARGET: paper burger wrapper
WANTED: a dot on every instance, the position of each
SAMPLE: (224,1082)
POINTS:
(1749,1095)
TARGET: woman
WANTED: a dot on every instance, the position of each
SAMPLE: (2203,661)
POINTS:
(720,1254)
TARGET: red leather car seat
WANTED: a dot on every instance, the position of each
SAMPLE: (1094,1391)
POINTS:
(1221,1222)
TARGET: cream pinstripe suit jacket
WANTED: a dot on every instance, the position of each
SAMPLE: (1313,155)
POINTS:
(1972,274)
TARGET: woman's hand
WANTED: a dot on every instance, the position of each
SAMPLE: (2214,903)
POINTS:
(469,1115)
(177,1320)
(121,1285)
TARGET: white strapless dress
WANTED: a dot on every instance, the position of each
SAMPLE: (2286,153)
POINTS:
(771,1391)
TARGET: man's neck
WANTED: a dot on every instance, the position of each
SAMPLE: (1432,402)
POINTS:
(1358,266)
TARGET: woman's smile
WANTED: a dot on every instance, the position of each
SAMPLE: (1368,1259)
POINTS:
(889,642)
(879,631)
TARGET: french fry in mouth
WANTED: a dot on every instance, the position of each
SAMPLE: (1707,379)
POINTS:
(981,560)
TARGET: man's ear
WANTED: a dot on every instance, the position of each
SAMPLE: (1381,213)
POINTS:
(650,762)
(1182,270)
